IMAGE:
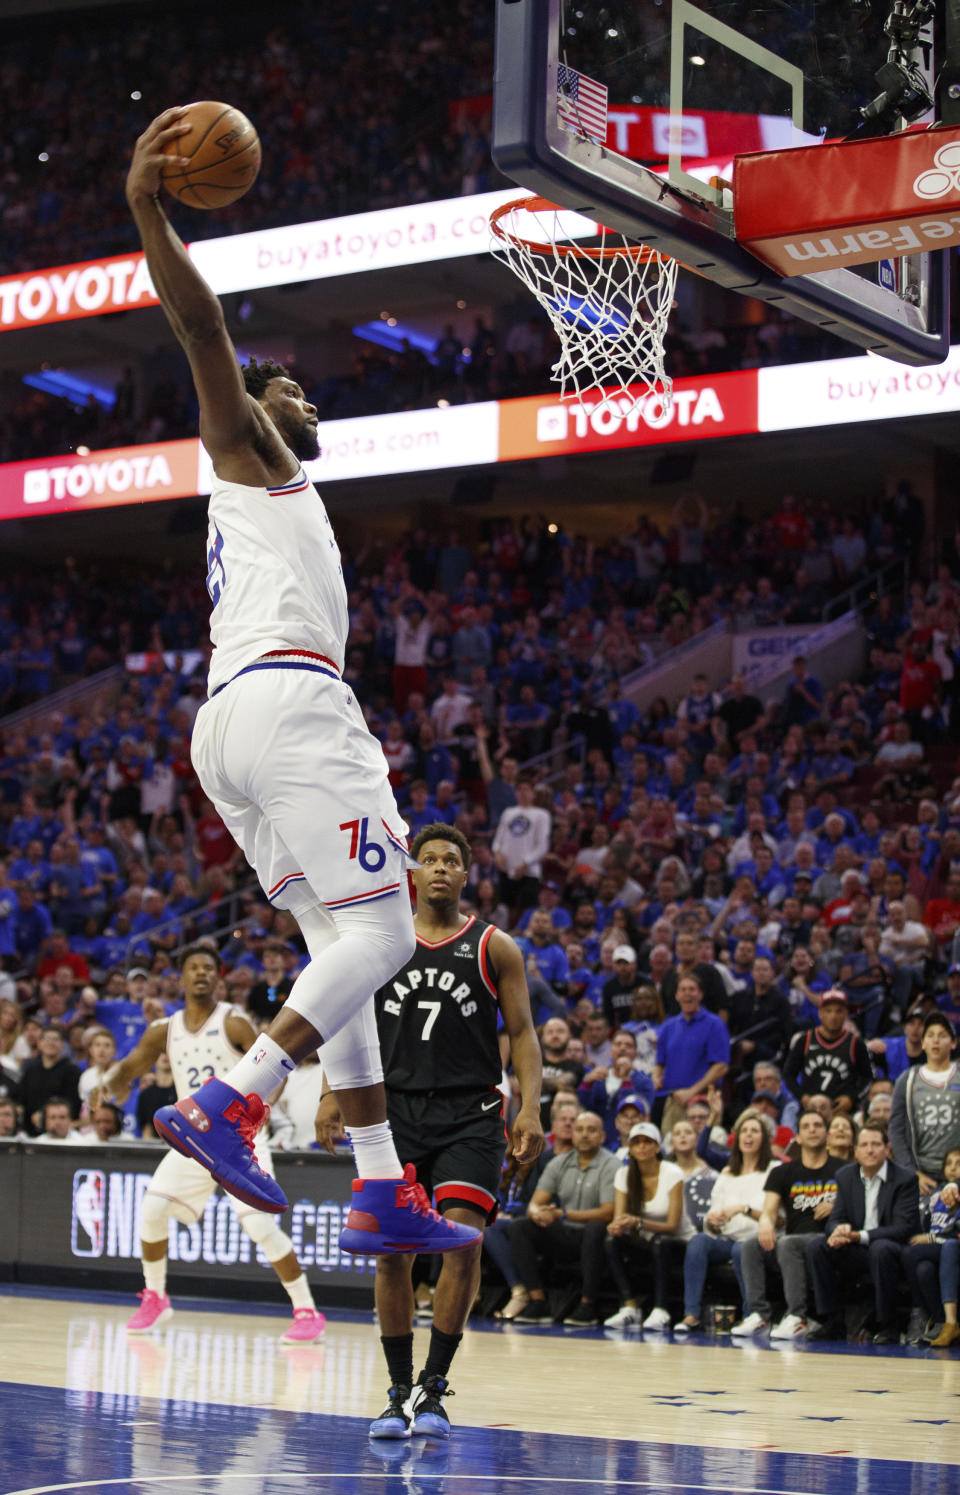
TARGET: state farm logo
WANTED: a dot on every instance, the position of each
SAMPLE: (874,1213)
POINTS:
(686,407)
(943,176)
(80,479)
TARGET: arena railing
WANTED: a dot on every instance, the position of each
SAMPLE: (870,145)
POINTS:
(232,923)
(561,755)
(81,692)
(892,580)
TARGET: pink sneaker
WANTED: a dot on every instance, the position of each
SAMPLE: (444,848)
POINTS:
(154,1309)
(307,1325)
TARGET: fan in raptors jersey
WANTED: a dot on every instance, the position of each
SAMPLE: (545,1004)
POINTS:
(282,750)
(205,1039)
(439,1020)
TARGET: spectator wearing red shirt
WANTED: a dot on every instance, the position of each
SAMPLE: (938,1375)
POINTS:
(920,682)
(942,915)
(59,954)
(791,525)
(214,844)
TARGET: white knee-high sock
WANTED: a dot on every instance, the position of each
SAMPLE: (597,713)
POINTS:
(373,942)
(353,952)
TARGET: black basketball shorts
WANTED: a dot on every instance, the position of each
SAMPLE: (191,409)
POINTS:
(456,1140)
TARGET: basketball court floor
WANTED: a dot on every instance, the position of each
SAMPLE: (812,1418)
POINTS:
(212,1403)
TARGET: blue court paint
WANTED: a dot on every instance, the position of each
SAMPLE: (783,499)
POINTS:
(59,1440)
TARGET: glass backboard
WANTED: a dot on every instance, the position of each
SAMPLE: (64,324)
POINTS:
(632,112)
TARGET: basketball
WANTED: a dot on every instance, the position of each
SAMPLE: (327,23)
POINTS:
(224,152)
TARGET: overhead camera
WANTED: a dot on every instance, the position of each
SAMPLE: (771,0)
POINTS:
(905,94)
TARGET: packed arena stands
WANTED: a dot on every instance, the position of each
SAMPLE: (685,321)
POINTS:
(773,851)
(396,128)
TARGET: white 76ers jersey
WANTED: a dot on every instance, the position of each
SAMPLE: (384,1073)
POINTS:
(205,1055)
(273,574)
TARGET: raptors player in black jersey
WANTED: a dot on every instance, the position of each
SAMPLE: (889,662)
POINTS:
(438,1019)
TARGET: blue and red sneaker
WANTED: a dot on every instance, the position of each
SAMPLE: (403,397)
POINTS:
(218,1127)
(393,1217)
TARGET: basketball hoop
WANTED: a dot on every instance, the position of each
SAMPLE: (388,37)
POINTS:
(608,300)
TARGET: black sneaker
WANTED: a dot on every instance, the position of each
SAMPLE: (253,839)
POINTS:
(536,1312)
(584,1315)
(831,1328)
(429,1416)
(393,1422)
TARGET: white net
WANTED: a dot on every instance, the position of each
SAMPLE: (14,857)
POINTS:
(609,302)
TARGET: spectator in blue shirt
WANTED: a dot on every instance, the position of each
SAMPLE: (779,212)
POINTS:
(542,955)
(32,869)
(9,907)
(604,1091)
(32,926)
(75,890)
(96,853)
(766,874)
(527,722)
(866,842)
(693,1051)
(433,761)
(421,811)
(899,1051)
(548,898)
(803,699)
(834,835)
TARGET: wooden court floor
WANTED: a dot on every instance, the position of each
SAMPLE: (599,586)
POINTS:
(212,1401)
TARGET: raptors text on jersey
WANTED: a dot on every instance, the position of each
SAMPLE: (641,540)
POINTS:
(438,1017)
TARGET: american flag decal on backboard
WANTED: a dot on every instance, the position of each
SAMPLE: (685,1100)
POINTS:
(581,104)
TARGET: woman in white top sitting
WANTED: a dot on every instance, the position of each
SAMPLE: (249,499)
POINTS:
(647,1213)
(734,1215)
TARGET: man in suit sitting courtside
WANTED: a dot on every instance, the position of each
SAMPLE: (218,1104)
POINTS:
(877,1210)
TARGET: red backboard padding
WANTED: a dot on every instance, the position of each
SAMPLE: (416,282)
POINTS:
(823,207)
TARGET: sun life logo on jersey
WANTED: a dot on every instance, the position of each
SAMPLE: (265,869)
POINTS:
(464,949)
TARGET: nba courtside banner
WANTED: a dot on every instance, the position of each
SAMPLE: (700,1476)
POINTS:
(74,1208)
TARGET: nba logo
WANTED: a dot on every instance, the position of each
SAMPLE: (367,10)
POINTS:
(87,1218)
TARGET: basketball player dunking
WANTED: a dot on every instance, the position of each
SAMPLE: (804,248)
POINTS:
(205,1039)
(282,750)
(438,1020)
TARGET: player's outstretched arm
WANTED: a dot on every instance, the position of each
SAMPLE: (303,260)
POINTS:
(526,1139)
(228,416)
(118,1080)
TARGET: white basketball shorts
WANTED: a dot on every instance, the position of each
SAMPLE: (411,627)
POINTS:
(284,754)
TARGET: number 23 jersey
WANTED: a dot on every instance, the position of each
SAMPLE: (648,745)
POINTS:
(438,1017)
(205,1055)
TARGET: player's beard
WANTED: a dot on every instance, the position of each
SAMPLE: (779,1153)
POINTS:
(444,905)
(303,441)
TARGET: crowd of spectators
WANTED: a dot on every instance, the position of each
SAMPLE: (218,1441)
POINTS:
(355,104)
(715,897)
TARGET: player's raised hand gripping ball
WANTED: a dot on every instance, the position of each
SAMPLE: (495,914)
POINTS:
(223,156)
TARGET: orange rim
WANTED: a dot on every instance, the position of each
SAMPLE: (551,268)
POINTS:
(640,253)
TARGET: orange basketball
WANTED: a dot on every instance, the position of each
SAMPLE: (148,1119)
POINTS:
(224,152)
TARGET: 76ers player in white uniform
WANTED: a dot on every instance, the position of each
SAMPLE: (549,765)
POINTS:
(282,750)
(205,1039)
